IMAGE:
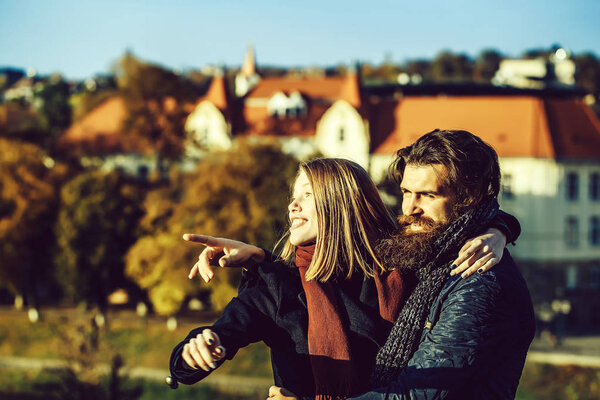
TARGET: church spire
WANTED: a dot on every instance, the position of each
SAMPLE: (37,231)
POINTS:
(247,78)
(249,65)
(350,91)
(217,92)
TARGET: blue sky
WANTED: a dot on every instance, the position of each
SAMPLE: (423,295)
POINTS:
(80,38)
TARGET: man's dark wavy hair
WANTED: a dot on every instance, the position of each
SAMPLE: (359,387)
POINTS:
(473,169)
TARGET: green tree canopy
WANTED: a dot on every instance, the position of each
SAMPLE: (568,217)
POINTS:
(28,201)
(486,65)
(587,75)
(449,67)
(241,194)
(54,104)
(154,97)
(96,225)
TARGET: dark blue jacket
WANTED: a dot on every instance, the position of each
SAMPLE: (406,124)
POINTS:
(271,307)
(475,342)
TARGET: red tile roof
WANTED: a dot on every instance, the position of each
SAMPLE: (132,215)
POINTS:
(323,88)
(218,93)
(516,126)
(103,123)
(575,128)
(258,122)
(99,131)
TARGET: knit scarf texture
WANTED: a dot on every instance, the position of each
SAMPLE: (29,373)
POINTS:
(432,274)
(335,371)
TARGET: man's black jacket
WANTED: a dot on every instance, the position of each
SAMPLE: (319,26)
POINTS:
(475,342)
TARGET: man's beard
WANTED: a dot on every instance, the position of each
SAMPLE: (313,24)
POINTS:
(408,250)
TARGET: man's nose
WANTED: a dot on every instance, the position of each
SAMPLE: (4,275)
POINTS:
(412,206)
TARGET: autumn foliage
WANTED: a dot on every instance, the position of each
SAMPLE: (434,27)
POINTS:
(29,182)
(241,194)
(96,225)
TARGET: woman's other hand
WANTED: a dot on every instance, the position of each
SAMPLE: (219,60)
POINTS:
(223,252)
(203,351)
(480,254)
(278,393)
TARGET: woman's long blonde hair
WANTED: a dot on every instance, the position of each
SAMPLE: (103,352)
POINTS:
(351,217)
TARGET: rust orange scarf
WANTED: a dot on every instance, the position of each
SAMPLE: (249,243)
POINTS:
(335,372)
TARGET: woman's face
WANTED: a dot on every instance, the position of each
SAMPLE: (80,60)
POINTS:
(302,212)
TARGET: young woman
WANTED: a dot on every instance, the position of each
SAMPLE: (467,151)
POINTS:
(327,304)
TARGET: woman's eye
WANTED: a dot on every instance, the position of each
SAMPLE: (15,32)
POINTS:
(307,194)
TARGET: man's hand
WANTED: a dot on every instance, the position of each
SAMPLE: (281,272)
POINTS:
(480,254)
(223,252)
(203,351)
(278,393)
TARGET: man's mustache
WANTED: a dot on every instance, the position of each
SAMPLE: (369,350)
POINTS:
(417,220)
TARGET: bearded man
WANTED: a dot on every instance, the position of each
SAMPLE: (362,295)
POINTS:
(454,338)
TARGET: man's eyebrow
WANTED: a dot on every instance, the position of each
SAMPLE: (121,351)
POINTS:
(421,191)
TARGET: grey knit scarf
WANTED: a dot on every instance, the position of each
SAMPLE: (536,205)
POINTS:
(432,275)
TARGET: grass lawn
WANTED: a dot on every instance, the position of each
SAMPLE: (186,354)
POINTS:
(66,334)
(54,385)
(141,343)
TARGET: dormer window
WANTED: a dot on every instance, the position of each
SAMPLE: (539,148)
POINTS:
(282,106)
(342,134)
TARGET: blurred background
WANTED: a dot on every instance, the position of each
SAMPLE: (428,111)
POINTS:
(124,124)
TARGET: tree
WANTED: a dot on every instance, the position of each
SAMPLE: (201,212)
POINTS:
(54,105)
(28,203)
(21,122)
(448,67)
(418,68)
(588,73)
(486,65)
(154,98)
(240,194)
(96,225)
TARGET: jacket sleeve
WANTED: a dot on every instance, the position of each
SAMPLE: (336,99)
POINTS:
(507,224)
(246,319)
(469,330)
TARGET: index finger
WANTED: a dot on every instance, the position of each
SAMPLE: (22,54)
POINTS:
(211,338)
(465,254)
(202,239)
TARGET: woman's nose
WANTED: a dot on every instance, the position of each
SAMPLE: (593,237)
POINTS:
(293,206)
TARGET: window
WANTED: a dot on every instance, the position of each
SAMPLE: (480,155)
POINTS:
(341,134)
(572,232)
(204,139)
(595,231)
(507,192)
(595,278)
(283,106)
(572,186)
(142,172)
(571,277)
(595,186)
